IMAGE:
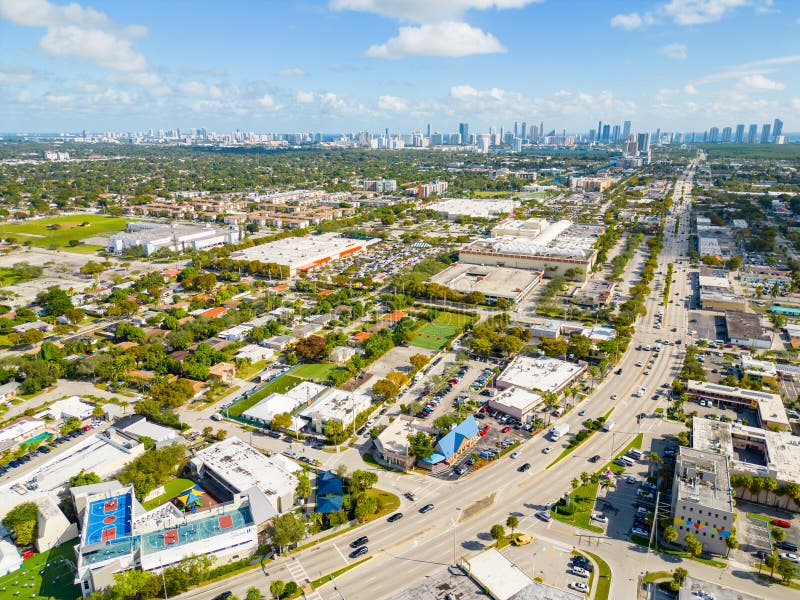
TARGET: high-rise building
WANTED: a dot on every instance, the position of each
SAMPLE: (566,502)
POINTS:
(615,133)
(599,130)
(592,135)
(428,131)
(517,145)
(658,136)
(523,130)
(463,129)
(726,135)
(739,138)
(541,129)
(765,131)
(631,147)
(534,133)
(606,133)
(643,142)
(777,128)
(752,134)
(516,128)
(626,130)
(713,135)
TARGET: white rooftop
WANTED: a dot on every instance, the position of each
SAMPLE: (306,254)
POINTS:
(395,437)
(474,208)
(337,405)
(155,432)
(763,367)
(68,407)
(562,238)
(300,251)
(518,398)
(499,575)
(543,374)
(20,428)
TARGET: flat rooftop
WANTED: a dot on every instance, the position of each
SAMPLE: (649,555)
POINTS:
(703,477)
(742,325)
(395,437)
(474,208)
(495,572)
(497,282)
(543,374)
(287,401)
(447,581)
(563,239)
(339,405)
(518,398)
(300,251)
(698,589)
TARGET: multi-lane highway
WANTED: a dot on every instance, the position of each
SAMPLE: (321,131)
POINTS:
(419,544)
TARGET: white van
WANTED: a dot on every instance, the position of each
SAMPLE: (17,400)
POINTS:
(627,461)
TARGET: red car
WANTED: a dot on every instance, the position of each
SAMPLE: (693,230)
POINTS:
(781,523)
(484,431)
(506,429)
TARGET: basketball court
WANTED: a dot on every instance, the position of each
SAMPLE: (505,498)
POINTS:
(109,519)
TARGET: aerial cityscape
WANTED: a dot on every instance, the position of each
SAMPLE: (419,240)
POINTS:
(400,300)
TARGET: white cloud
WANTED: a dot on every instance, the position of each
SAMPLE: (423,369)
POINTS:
(690,89)
(74,31)
(304,97)
(58,98)
(15,76)
(197,88)
(293,72)
(392,104)
(627,22)
(450,38)
(266,101)
(426,11)
(675,50)
(760,83)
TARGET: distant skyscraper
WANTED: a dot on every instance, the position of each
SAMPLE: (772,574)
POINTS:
(713,135)
(599,131)
(626,130)
(739,138)
(615,134)
(631,147)
(752,134)
(643,142)
(516,128)
(658,137)
(726,135)
(463,129)
(606,134)
(592,135)
(523,130)
(428,132)
(765,130)
(533,133)
(541,129)
(777,128)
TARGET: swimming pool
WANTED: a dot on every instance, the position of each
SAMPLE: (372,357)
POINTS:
(37,438)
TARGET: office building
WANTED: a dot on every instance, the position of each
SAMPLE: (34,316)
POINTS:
(517,403)
(380,185)
(765,131)
(523,130)
(626,130)
(752,134)
(615,133)
(539,375)
(726,135)
(152,237)
(770,409)
(643,142)
(702,499)
(777,129)
(463,131)
(335,405)
(739,138)
(606,134)
(492,282)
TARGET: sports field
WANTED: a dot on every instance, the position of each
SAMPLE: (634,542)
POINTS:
(59,231)
(281,384)
(46,575)
(315,371)
(436,334)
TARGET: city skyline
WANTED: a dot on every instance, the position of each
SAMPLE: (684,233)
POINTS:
(352,65)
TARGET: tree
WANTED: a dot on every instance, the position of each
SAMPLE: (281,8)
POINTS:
(253,593)
(361,481)
(98,411)
(281,421)
(31,336)
(444,423)
(276,588)
(731,542)
(386,390)
(497,532)
(771,561)
(84,478)
(311,348)
(512,522)
(679,575)
(693,545)
(366,505)
(398,378)
(303,489)
(420,445)
(777,534)
(670,534)
(786,569)
(22,521)
(335,432)
(418,361)
(286,529)
(55,301)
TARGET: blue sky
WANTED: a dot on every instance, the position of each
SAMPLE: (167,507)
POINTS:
(348,65)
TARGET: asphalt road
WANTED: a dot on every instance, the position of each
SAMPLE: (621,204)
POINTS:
(420,544)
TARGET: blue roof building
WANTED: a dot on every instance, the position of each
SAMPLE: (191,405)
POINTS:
(454,443)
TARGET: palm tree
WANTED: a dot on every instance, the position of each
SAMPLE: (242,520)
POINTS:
(512,522)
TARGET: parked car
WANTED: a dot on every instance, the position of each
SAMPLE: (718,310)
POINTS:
(781,523)
(579,586)
(521,539)
(580,572)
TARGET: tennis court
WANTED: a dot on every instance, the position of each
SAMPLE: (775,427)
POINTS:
(109,519)
(196,529)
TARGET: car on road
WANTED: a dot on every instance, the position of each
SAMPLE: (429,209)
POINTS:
(581,413)
(395,517)
(781,523)
(543,515)
(523,468)
(613,396)
(359,552)
(426,508)
(630,479)
(410,496)
(580,572)
(359,541)
(547,450)
(521,539)
(594,458)
(579,586)
(515,454)
(223,596)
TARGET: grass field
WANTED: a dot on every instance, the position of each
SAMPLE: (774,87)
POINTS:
(603,577)
(171,489)
(46,575)
(436,334)
(63,230)
(315,371)
(280,385)
(9,277)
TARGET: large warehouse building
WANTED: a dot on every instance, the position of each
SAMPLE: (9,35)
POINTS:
(304,253)
(156,236)
(562,248)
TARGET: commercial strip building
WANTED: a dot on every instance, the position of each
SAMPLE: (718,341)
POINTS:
(516,402)
(702,499)
(753,451)
(467,207)
(716,292)
(492,282)
(744,329)
(594,293)
(563,248)
(391,445)
(771,412)
(453,445)
(540,375)
(152,237)
(698,589)
(304,253)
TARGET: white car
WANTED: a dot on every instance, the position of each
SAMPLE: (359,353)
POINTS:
(640,532)
(631,479)
(544,516)
(600,517)
(547,450)
(515,454)
(579,586)
(580,572)
(370,423)
(791,556)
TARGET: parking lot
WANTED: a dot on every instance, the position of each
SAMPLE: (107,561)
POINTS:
(546,560)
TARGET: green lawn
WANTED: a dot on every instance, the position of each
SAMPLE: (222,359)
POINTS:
(456,319)
(280,385)
(171,489)
(603,578)
(315,371)
(65,229)
(387,502)
(54,581)
(582,501)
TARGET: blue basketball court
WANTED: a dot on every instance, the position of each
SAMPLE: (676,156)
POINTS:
(109,519)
